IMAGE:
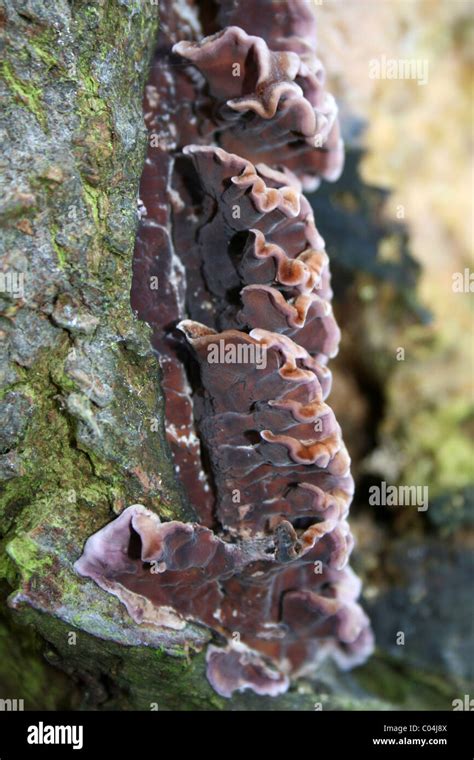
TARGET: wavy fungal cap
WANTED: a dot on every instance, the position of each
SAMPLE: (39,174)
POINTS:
(246,298)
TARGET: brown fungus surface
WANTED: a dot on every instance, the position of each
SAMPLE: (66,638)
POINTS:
(261,240)
(263,399)
(269,104)
(160,281)
(284,25)
(232,275)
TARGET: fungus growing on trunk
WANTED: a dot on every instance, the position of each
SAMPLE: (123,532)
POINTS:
(243,327)
(260,241)
(269,105)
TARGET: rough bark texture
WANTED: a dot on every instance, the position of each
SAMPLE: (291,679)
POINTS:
(82,428)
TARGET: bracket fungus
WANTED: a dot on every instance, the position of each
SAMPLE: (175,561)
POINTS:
(269,104)
(243,327)
(261,240)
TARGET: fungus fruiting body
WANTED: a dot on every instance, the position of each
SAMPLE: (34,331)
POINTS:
(243,326)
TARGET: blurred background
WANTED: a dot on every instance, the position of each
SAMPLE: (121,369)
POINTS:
(399,231)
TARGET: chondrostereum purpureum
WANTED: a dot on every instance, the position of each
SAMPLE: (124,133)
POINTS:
(239,126)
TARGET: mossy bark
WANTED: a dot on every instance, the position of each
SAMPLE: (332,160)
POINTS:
(82,411)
